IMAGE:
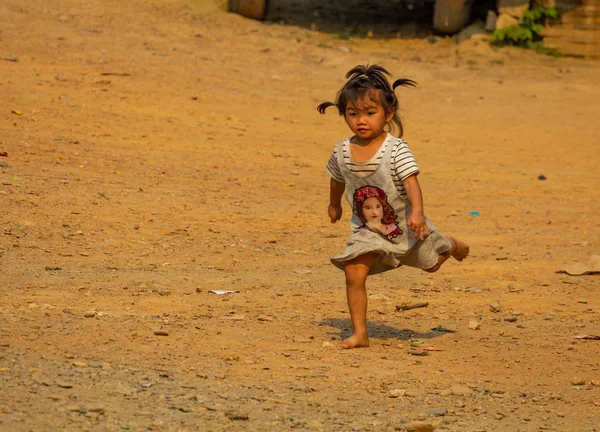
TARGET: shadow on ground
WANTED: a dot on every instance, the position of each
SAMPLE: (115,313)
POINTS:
(382,331)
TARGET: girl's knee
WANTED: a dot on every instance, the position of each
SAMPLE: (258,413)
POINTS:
(355,276)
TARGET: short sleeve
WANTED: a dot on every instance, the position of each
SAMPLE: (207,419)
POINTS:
(403,162)
(333,167)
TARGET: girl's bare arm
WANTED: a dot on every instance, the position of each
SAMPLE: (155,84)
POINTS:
(416,221)
(336,191)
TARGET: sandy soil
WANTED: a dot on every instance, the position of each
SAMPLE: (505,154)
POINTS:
(158,150)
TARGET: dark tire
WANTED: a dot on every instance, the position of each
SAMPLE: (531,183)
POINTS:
(255,9)
(451,16)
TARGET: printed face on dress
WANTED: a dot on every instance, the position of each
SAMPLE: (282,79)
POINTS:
(372,210)
(367,118)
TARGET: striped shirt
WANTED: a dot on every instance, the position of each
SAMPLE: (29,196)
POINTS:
(403,163)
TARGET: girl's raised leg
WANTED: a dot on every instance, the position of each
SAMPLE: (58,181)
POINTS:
(459,252)
(356,291)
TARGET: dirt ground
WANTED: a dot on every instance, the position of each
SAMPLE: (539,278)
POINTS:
(161,149)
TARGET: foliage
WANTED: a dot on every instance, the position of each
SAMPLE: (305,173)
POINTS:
(528,32)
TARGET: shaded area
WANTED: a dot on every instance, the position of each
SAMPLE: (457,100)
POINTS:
(379,331)
(357,18)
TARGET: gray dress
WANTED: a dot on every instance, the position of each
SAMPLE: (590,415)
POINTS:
(376,196)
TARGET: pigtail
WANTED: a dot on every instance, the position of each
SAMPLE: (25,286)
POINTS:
(322,107)
(405,82)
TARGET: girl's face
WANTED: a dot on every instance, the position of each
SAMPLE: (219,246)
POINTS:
(367,118)
(372,210)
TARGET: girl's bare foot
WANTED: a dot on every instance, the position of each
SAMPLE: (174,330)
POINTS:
(460,250)
(355,341)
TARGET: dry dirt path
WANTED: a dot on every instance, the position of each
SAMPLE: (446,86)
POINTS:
(158,150)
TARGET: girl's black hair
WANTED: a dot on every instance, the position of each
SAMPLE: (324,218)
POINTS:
(365,81)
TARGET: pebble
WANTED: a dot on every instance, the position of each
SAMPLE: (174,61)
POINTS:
(161,333)
(419,426)
(495,307)
(510,318)
(460,390)
(263,317)
(436,412)
(90,314)
(80,364)
(578,381)
(474,325)
(418,352)
(397,393)
(64,384)
(5,409)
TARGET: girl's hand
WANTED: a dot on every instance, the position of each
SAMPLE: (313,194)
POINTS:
(335,212)
(416,222)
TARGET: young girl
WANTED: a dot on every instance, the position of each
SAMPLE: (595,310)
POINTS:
(378,174)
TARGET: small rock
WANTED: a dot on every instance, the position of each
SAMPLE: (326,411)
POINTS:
(436,412)
(418,352)
(419,427)
(64,384)
(327,345)
(230,357)
(495,307)
(5,409)
(474,325)
(90,314)
(80,364)
(578,381)
(510,318)
(397,393)
(461,390)
(263,317)
(412,393)
(234,317)
(161,333)
(96,409)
